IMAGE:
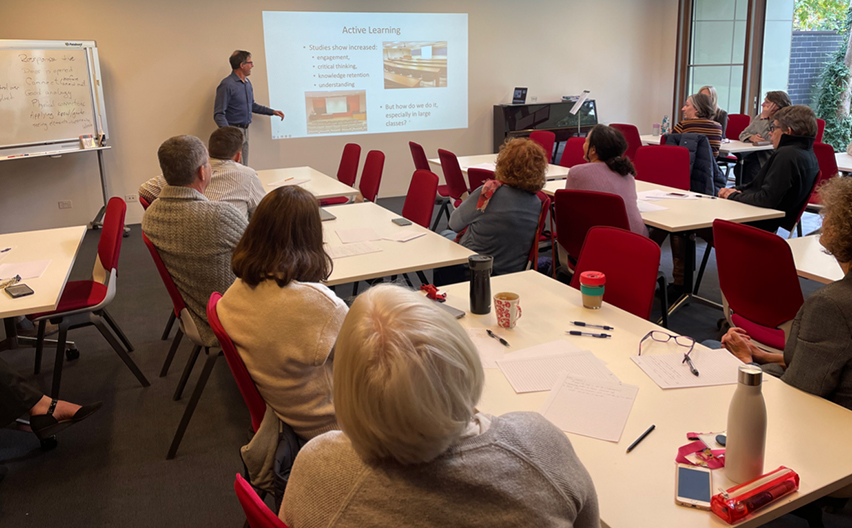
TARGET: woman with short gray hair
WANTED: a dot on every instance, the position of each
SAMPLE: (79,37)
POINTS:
(698,112)
(413,449)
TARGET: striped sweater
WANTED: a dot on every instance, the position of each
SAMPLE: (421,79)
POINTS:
(706,127)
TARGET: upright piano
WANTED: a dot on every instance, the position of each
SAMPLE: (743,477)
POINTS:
(519,120)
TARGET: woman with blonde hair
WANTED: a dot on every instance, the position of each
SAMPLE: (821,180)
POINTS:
(413,450)
(719,115)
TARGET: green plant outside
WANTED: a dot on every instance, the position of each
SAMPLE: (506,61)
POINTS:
(834,80)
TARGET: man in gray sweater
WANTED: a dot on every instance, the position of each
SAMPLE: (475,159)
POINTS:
(194,236)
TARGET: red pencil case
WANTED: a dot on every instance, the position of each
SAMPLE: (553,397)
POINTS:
(735,504)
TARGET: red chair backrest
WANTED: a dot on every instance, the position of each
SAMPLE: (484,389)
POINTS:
(631,134)
(827,168)
(579,211)
(546,139)
(174,293)
(254,402)
(145,203)
(663,165)
(572,154)
(420,200)
(452,174)
(757,274)
(630,262)
(421,162)
(347,172)
(736,124)
(257,512)
(542,217)
(371,176)
(477,177)
(109,245)
(820,129)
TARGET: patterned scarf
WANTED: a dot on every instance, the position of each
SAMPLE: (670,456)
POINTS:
(487,192)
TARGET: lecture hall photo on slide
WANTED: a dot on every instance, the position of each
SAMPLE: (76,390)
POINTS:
(365,73)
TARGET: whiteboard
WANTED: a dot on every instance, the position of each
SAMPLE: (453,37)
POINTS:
(50,95)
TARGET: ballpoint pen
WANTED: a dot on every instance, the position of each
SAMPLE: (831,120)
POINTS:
(705,196)
(578,333)
(5,250)
(589,325)
(691,366)
(498,338)
(646,433)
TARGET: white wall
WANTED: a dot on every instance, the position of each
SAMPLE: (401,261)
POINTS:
(161,61)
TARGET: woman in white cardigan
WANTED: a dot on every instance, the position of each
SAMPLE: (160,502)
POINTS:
(282,320)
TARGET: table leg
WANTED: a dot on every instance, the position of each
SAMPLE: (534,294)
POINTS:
(11,341)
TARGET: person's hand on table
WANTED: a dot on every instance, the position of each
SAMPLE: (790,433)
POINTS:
(278,113)
(726,191)
(755,138)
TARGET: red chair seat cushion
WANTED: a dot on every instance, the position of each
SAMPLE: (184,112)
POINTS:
(334,201)
(444,190)
(763,334)
(77,295)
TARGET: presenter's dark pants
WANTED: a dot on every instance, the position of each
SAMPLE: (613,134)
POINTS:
(17,395)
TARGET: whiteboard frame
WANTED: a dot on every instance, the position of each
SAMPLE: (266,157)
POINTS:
(69,145)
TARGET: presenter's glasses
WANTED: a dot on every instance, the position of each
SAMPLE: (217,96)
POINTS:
(663,337)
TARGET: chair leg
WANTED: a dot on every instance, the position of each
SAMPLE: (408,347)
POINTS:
(168,362)
(169,324)
(115,328)
(799,229)
(664,300)
(102,327)
(355,289)
(60,359)
(42,325)
(701,269)
(190,363)
(445,208)
(193,401)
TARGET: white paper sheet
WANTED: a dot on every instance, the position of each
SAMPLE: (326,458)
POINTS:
(486,166)
(5,251)
(351,250)
(289,181)
(358,234)
(27,270)
(404,236)
(647,207)
(594,408)
(490,350)
(539,373)
(715,367)
(656,194)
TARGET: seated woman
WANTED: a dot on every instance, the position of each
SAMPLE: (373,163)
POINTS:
(719,115)
(818,355)
(698,112)
(281,320)
(414,450)
(760,130)
(609,171)
(501,217)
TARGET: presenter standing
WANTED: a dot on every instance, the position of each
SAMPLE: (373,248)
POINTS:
(235,99)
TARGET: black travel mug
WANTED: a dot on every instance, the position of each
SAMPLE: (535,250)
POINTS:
(480,283)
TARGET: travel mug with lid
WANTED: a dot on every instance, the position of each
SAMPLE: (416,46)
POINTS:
(480,283)
(592,285)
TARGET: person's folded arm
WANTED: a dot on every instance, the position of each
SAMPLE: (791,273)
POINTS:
(465,213)
(773,189)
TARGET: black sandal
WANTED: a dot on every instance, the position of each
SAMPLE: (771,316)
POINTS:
(45,425)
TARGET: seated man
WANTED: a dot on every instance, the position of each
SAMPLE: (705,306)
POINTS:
(786,180)
(232,182)
(194,236)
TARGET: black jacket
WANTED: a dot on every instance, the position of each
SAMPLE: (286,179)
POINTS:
(705,176)
(785,182)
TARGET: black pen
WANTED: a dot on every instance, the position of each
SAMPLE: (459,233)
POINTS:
(705,196)
(691,366)
(578,333)
(498,338)
(636,443)
(5,250)
(581,323)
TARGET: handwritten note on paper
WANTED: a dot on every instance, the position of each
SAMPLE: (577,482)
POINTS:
(715,367)
(539,373)
(590,407)
(647,207)
(27,270)
(357,234)
(351,250)
(288,182)
(490,350)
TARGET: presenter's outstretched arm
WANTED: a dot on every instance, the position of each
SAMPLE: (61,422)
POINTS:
(278,113)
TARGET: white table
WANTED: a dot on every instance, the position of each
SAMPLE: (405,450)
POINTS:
(320,185)
(553,172)
(427,252)
(805,433)
(844,161)
(729,146)
(812,262)
(60,246)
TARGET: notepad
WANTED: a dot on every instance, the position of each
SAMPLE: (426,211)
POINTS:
(27,270)
(288,182)
(715,367)
(589,407)
(539,373)
(351,250)
(357,234)
(647,207)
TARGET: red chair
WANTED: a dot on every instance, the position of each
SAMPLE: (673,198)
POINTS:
(477,177)
(145,203)
(631,263)
(347,171)
(542,217)
(420,200)
(663,165)
(759,301)
(371,176)
(258,515)
(820,130)
(546,139)
(579,211)
(736,124)
(631,134)
(83,303)
(254,401)
(455,189)
(572,154)
(421,162)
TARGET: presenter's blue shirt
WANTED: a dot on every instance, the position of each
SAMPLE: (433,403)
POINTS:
(235,102)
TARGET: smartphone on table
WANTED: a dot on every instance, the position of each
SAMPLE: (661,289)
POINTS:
(693,486)
(18,290)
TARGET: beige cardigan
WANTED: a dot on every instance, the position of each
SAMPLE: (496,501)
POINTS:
(285,337)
